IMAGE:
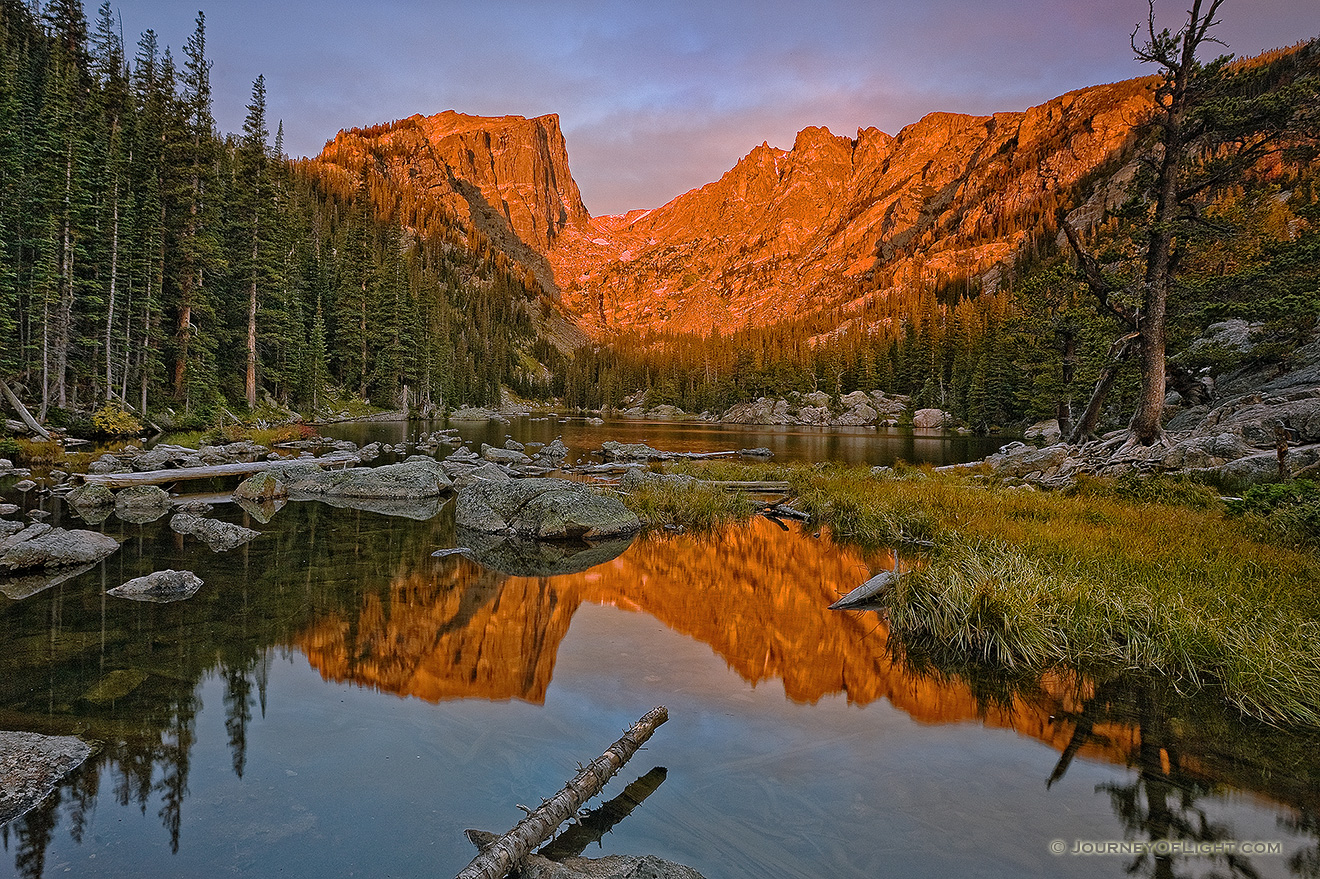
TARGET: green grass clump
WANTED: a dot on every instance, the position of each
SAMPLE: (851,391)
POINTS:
(694,505)
(1173,490)
(992,602)
(38,453)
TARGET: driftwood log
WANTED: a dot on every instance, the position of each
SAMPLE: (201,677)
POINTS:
(180,474)
(501,856)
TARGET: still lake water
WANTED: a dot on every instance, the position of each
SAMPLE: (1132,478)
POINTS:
(337,702)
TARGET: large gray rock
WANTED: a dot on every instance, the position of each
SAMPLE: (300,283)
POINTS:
(141,502)
(8,528)
(813,415)
(503,456)
(168,457)
(639,477)
(108,463)
(33,765)
(763,411)
(242,451)
(465,473)
(219,536)
(41,546)
(469,414)
(91,496)
(1254,416)
(1264,467)
(543,509)
(1023,461)
(860,414)
(264,486)
(1045,432)
(160,587)
(1206,450)
(624,452)
(930,418)
(423,478)
(553,456)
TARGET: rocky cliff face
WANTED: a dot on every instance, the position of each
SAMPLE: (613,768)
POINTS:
(832,221)
(837,219)
(506,177)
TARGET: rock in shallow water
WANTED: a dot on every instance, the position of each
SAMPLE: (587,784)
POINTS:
(220,536)
(41,546)
(543,509)
(31,766)
(160,587)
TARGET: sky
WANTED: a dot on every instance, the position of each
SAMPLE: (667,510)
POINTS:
(660,96)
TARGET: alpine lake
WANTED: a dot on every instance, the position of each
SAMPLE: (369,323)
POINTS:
(337,701)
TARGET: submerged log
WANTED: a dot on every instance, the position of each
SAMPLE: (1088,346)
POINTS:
(179,474)
(500,857)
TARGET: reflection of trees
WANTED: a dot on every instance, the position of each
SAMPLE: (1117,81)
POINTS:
(1305,862)
(1189,749)
(126,674)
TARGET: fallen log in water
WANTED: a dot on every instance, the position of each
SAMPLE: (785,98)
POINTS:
(501,856)
(596,823)
(179,474)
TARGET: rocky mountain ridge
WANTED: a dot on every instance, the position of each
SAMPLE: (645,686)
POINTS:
(833,221)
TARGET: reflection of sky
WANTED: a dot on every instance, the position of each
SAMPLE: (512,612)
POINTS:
(658,98)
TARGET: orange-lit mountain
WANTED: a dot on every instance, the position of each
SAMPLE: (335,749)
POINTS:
(784,232)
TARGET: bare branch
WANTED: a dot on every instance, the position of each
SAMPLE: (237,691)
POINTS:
(1095,278)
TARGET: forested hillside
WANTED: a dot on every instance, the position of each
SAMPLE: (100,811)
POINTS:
(150,261)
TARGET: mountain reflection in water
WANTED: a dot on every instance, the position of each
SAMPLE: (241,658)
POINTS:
(758,596)
(362,597)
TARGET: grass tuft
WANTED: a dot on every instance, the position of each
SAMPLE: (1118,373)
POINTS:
(695,505)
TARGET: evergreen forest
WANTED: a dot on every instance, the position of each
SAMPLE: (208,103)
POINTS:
(148,261)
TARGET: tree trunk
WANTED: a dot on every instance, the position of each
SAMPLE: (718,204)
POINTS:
(1086,425)
(22,411)
(498,859)
(110,304)
(250,384)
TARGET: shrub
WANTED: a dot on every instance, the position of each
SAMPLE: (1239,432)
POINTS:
(1284,510)
(112,420)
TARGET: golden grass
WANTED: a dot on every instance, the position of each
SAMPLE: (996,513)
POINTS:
(1034,580)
